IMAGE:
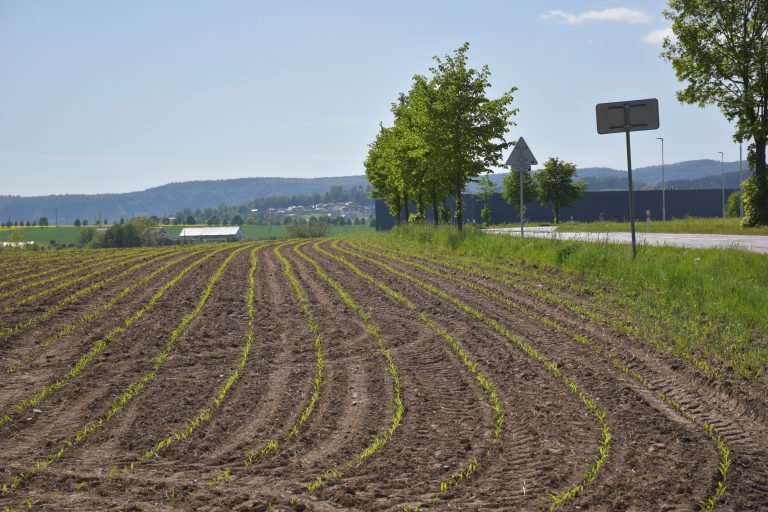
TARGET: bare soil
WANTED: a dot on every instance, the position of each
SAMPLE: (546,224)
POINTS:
(660,456)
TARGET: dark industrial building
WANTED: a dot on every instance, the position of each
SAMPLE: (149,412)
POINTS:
(608,205)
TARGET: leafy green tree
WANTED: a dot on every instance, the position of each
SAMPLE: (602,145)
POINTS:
(190,220)
(381,169)
(485,190)
(720,51)
(301,228)
(510,189)
(85,238)
(733,205)
(43,221)
(555,186)
(78,223)
(466,129)
(237,220)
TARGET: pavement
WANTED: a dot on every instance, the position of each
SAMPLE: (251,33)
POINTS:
(695,241)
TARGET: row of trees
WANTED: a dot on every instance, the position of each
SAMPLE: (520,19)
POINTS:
(43,221)
(446,132)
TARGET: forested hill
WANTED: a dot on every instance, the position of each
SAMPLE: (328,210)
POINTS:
(196,195)
(166,199)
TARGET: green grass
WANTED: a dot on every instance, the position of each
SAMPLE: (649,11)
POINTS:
(705,306)
(44,235)
(693,225)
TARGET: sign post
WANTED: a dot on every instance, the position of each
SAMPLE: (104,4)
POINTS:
(521,158)
(628,116)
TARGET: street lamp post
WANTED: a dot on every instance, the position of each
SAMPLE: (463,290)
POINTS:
(663,184)
(741,188)
(722,180)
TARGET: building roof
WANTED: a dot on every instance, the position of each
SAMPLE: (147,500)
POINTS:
(217,231)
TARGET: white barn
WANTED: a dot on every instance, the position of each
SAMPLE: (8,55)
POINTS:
(214,234)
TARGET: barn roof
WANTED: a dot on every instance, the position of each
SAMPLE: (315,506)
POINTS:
(217,231)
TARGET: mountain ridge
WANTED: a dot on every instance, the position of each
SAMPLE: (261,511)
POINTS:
(170,198)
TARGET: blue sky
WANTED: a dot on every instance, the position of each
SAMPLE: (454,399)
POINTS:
(113,96)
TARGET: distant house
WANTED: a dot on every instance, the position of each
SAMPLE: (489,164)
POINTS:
(216,234)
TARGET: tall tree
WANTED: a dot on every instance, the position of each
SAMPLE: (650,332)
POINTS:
(555,186)
(720,50)
(485,190)
(383,173)
(466,129)
(510,189)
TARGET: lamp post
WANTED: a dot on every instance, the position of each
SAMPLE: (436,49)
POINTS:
(741,188)
(722,180)
(663,184)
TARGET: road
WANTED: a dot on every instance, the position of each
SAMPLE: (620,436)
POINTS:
(696,241)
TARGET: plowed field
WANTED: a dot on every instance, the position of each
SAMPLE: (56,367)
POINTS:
(337,376)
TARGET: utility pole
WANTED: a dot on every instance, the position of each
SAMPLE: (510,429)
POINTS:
(663,183)
(741,188)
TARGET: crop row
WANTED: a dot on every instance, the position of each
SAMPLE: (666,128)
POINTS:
(32,268)
(91,315)
(99,346)
(551,366)
(88,265)
(204,415)
(70,282)
(397,401)
(488,386)
(77,294)
(616,361)
(129,393)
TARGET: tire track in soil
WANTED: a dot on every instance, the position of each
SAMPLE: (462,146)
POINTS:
(739,419)
(444,408)
(513,478)
(88,397)
(662,434)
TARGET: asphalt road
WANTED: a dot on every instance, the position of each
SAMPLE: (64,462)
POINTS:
(745,242)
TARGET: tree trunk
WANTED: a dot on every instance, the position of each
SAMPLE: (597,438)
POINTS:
(405,206)
(760,156)
(435,212)
(556,211)
(459,204)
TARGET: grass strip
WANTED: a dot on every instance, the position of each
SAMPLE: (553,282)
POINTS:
(98,347)
(397,401)
(204,415)
(489,388)
(705,306)
(551,366)
(91,315)
(130,392)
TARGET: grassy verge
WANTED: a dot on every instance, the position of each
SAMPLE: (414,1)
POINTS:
(705,306)
(688,225)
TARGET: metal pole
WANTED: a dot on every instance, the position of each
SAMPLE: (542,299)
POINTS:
(663,183)
(741,188)
(629,178)
(722,180)
(521,195)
